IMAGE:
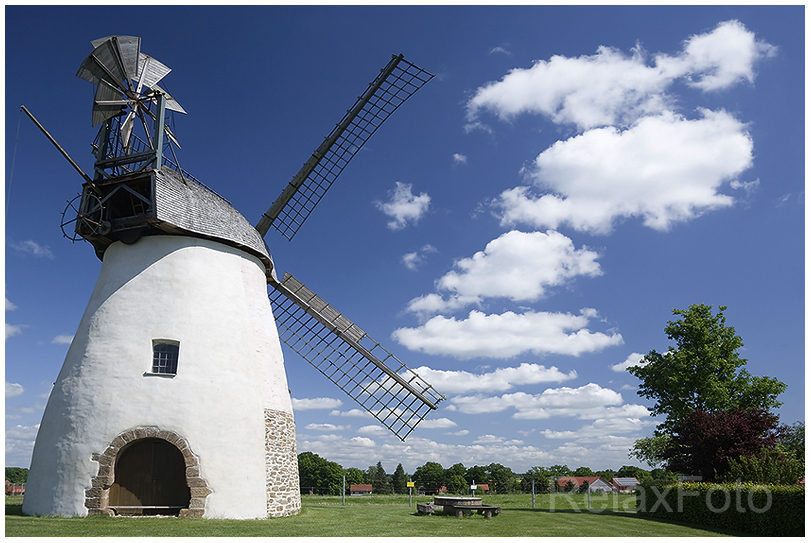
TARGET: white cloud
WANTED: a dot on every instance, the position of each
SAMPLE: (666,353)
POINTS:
(438,423)
(364,442)
(461,382)
(374,430)
(326,427)
(633,359)
(13,389)
(63,339)
(588,402)
(718,59)
(352,413)
(413,260)
(664,169)
(611,87)
(315,403)
(516,265)
(459,158)
(507,335)
(403,206)
(13,329)
(32,247)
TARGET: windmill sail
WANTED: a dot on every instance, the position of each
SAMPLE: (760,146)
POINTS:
(395,84)
(348,357)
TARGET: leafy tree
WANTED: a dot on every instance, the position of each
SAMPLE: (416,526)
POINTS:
(541,476)
(319,475)
(17,476)
(583,472)
(501,477)
(558,471)
(633,471)
(790,440)
(651,449)
(703,372)
(476,473)
(769,466)
(354,476)
(430,475)
(457,484)
(606,474)
(456,469)
(399,480)
(704,443)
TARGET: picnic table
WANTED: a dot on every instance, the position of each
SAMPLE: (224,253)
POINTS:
(459,505)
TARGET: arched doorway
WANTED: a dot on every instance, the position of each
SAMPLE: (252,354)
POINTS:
(150,479)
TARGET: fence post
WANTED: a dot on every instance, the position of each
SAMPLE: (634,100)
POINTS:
(533,493)
(343,491)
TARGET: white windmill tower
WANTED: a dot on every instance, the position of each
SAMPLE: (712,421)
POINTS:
(173,396)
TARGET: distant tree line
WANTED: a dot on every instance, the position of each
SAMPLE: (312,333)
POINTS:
(17,476)
(320,476)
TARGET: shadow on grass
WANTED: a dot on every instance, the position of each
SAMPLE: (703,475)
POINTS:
(634,515)
(14,511)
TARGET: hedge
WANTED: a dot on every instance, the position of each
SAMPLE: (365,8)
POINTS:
(767,510)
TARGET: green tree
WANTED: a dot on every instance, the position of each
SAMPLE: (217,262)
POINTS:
(399,480)
(501,477)
(703,371)
(430,475)
(633,471)
(477,474)
(558,471)
(541,476)
(354,476)
(319,475)
(381,483)
(17,476)
(651,449)
(584,472)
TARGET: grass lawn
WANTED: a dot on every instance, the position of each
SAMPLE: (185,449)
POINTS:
(382,516)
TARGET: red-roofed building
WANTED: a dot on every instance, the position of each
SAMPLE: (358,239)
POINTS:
(595,484)
(360,490)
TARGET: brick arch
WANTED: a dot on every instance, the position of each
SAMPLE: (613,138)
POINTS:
(97,497)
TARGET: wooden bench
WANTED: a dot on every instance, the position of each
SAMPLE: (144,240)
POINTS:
(486,510)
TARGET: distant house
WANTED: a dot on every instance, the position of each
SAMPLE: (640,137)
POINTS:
(624,484)
(359,490)
(484,487)
(14,490)
(596,484)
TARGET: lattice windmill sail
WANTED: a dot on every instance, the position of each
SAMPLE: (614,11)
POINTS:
(173,395)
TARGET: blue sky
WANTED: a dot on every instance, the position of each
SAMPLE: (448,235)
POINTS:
(518,232)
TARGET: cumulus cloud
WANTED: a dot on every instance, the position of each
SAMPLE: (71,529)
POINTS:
(588,402)
(32,247)
(315,403)
(12,329)
(507,335)
(403,206)
(326,427)
(664,169)
(459,158)
(438,423)
(517,265)
(611,87)
(634,359)
(13,389)
(462,382)
(413,260)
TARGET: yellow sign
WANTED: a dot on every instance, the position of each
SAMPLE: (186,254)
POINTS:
(410,484)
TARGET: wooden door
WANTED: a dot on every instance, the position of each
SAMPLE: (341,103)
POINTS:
(150,472)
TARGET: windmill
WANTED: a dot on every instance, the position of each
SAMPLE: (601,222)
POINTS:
(173,395)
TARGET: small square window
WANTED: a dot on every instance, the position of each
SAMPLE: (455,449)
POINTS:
(164,357)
